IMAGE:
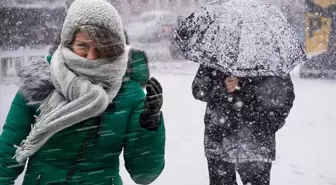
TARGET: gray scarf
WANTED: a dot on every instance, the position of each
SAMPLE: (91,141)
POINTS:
(83,89)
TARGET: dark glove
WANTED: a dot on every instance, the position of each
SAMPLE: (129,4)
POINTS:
(150,118)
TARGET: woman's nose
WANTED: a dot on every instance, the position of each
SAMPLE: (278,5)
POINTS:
(92,54)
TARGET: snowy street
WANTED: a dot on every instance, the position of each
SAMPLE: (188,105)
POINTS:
(305,146)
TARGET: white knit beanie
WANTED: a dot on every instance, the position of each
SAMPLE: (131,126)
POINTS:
(69,2)
(92,12)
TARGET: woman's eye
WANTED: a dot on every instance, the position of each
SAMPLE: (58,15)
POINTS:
(82,46)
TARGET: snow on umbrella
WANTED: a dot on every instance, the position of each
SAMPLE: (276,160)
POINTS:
(240,38)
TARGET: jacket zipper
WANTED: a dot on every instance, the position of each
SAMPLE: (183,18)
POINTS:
(81,152)
(82,149)
(112,181)
(38,179)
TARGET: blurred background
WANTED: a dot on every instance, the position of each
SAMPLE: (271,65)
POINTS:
(30,27)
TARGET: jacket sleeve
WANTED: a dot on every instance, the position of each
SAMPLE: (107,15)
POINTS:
(275,96)
(207,84)
(17,127)
(144,150)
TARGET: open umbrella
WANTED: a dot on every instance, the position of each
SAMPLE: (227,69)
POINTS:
(241,38)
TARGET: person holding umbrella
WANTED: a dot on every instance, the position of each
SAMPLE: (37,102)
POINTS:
(240,132)
(246,50)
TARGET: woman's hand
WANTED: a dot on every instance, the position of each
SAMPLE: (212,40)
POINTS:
(231,84)
(150,118)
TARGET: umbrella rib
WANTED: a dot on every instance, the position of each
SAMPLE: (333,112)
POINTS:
(238,41)
(206,29)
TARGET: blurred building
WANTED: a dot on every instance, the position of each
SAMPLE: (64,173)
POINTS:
(28,28)
(32,3)
(135,7)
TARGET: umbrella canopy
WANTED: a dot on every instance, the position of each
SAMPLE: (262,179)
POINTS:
(241,38)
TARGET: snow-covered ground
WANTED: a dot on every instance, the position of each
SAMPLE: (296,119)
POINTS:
(306,147)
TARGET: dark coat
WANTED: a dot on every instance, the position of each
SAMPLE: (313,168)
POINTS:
(243,130)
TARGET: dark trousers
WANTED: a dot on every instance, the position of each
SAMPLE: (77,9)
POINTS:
(251,173)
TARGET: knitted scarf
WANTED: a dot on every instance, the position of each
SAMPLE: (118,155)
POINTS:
(83,89)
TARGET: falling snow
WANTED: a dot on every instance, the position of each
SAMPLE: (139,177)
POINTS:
(305,144)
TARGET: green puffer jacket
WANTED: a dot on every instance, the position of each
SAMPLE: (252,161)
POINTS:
(105,137)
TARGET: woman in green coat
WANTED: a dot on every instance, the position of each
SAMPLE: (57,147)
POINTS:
(71,119)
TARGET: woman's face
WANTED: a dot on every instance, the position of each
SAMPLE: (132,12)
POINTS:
(84,47)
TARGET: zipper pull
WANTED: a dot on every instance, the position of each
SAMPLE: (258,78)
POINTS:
(38,180)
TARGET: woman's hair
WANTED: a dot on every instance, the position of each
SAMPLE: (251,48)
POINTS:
(108,43)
